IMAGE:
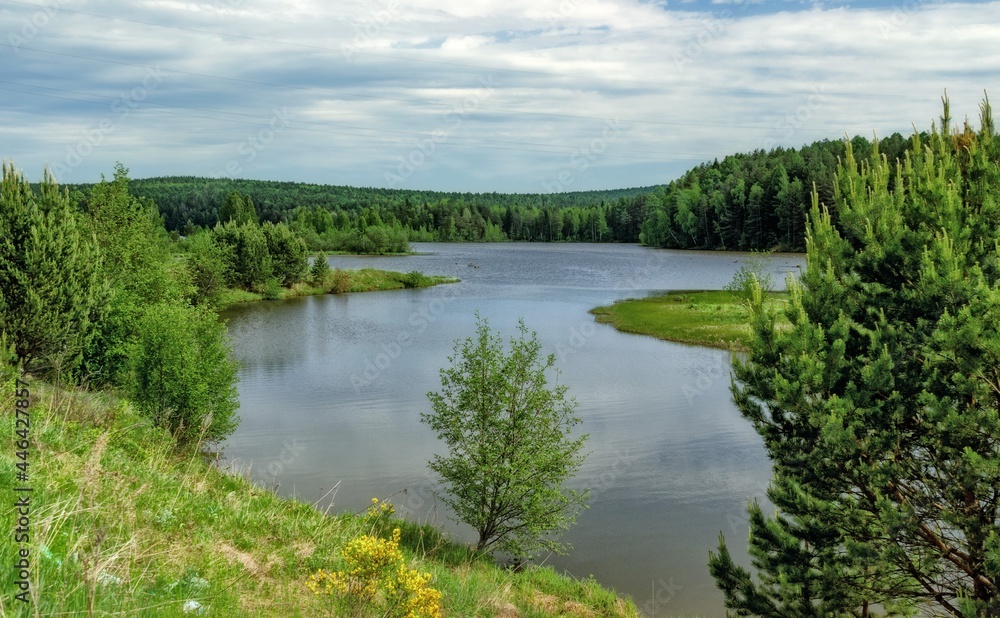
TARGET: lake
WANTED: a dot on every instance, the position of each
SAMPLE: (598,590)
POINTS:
(332,388)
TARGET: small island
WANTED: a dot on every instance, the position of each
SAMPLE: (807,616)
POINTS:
(339,282)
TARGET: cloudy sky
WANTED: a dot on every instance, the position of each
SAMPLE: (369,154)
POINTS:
(471,95)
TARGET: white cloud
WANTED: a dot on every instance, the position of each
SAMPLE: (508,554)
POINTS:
(365,82)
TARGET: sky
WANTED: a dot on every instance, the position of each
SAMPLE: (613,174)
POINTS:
(533,96)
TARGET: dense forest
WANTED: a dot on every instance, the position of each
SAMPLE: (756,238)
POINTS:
(187,202)
(750,201)
(755,201)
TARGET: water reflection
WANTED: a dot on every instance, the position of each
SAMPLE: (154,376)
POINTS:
(332,389)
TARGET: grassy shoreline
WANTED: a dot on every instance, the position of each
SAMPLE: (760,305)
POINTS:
(716,319)
(122,523)
(339,282)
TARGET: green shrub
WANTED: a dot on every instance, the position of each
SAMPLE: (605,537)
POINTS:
(752,273)
(341,282)
(272,289)
(181,374)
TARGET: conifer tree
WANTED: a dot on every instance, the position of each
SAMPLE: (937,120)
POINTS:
(51,290)
(320,269)
(880,406)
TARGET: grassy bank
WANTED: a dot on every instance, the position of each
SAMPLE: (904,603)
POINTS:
(122,524)
(714,318)
(339,282)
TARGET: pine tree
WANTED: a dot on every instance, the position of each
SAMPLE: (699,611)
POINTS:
(320,269)
(880,405)
(51,290)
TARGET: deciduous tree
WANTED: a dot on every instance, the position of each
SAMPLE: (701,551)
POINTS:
(510,448)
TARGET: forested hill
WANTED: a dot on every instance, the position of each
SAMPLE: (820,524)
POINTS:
(752,201)
(756,200)
(198,200)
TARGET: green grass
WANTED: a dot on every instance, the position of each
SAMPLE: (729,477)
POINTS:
(715,319)
(123,524)
(339,282)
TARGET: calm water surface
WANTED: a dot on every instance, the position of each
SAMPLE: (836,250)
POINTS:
(332,389)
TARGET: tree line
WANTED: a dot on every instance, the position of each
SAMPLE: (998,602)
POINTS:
(748,201)
(752,201)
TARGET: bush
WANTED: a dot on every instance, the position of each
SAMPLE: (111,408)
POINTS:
(181,374)
(415,279)
(341,282)
(752,273)
(377,582)
(272,289)
(287,251)
(207,264)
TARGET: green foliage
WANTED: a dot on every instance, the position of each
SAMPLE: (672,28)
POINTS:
(132,239)
(272,289)
(208,264)
(341,281)
(320,269)
(508,437)
(287,251)
(52,293)
(239,209)
(133,247)
(182,377)
(750,201)
(415,279)
(756,200)
(879,405)
(752,274)
(246,246)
